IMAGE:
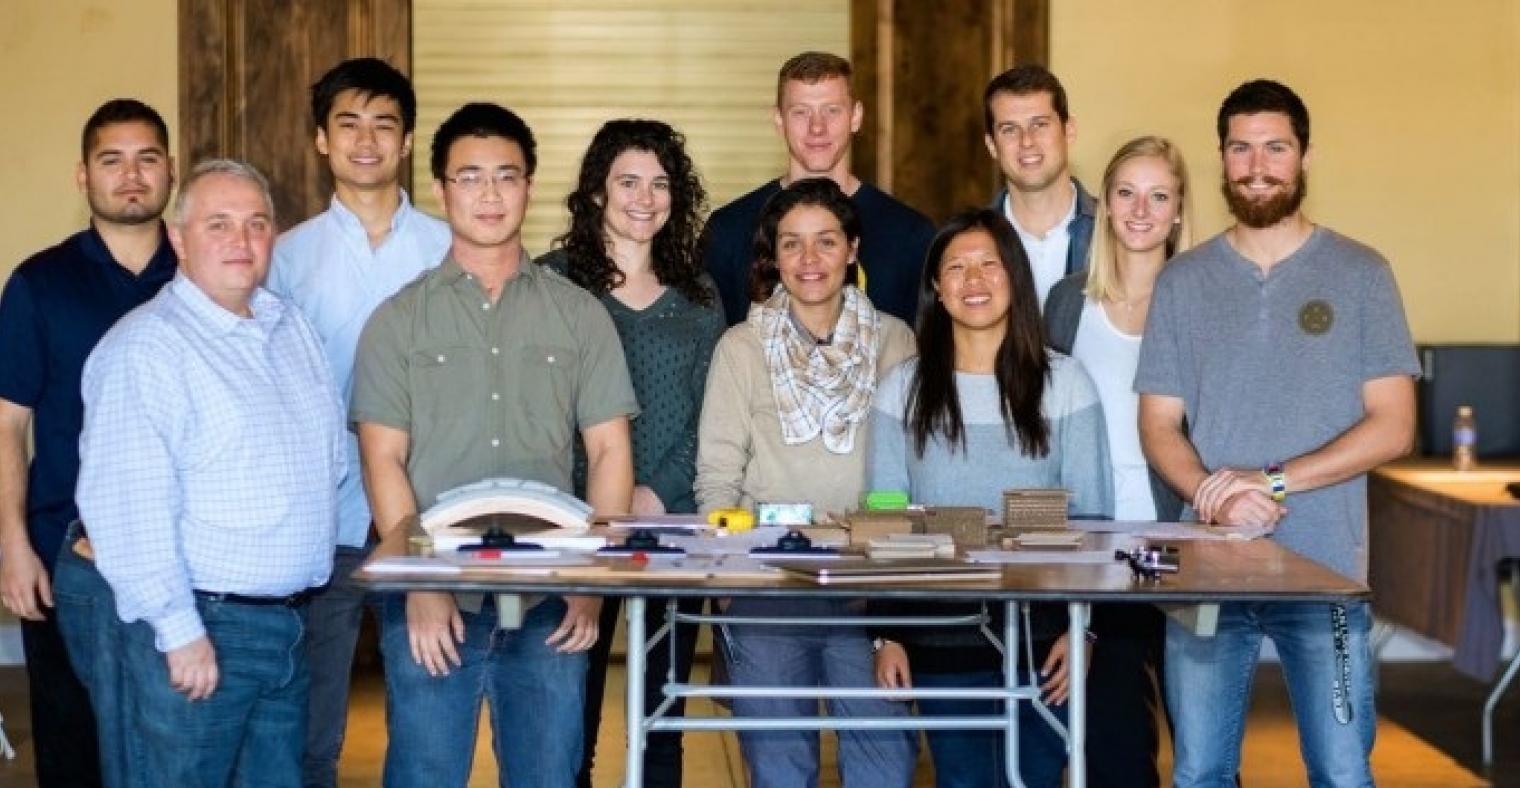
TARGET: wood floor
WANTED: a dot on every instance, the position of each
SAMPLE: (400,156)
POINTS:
(1427,736)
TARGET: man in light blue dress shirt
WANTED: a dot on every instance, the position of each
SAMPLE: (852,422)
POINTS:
(337,267)
(209,467)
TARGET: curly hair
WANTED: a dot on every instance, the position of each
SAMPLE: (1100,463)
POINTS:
(676,260)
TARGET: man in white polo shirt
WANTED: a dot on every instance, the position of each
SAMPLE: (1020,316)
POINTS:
(1028,131)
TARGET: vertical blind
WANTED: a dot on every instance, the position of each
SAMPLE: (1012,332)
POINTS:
(707,68)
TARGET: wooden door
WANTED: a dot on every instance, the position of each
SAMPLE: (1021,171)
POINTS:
(245,73)
(920,69)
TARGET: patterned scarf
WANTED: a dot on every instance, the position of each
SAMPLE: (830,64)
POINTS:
(820,388)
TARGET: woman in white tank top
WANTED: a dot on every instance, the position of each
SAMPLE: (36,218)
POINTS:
(1098,316)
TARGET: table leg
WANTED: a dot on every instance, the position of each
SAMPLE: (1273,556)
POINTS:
(1492,702)
(1076,704)
(1011,681)
(633,763)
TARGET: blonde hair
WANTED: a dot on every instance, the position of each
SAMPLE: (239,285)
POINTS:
(1103,261)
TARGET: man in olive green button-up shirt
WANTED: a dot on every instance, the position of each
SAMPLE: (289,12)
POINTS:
(490,389)
(487,366)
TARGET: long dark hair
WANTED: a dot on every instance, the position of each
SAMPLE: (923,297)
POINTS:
(821,192)
(676,263)
(1022,367)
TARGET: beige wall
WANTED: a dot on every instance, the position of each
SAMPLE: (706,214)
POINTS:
(1416,154)
(60,59)
(1416,125)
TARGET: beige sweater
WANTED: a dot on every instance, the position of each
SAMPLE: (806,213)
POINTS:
(741,458)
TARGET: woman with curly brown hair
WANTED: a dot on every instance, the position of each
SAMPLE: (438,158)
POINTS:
(634,218)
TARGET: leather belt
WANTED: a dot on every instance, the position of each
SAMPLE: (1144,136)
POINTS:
(298,599)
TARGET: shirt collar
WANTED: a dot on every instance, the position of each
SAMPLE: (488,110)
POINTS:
(348,221)
(267,309)
(450,273)
(163,262)
(1063,225)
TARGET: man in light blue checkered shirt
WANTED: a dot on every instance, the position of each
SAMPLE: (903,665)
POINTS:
(210,461)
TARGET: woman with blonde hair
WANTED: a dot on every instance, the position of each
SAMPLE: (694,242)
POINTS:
(1097,316)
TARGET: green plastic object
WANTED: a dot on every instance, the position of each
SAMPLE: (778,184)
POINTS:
(885,500)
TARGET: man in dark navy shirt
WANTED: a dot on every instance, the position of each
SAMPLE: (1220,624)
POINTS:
(818,116)
(54,308)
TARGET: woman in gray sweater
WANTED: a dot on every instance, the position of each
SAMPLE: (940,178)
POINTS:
(984,408)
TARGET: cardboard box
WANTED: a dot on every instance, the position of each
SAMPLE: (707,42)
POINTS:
(865,526)
(966,525)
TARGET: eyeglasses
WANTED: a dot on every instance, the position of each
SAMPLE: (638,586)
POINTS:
(476,180)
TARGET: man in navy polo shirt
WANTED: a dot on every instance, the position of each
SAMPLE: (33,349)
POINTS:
(55,307)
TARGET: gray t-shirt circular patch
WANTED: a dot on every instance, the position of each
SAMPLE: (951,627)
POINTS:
(1316,317)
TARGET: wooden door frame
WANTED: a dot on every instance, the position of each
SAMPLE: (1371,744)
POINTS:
(224,111)
(900,50)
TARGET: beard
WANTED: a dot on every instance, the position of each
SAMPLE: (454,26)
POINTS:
(126,213)
(1269,211)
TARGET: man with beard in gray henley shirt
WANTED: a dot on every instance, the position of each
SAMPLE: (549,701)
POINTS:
(1285,347)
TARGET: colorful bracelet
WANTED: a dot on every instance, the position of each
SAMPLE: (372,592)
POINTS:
(1277,481)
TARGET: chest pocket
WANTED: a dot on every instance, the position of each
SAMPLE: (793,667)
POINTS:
(447,380)
(547,389)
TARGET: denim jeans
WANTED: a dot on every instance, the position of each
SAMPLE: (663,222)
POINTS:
(63,724)
(333,624)
(974,759)
(1208,686)
(251,729)
(86,613)
(812,656)
(662,751)
(536,696)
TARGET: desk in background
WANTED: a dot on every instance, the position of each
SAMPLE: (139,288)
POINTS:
(1437,540)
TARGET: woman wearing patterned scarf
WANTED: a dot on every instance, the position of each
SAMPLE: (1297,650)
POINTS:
(784,420)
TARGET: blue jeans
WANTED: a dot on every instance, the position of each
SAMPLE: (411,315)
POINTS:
(662,751)
(333,619)
(1208,687)
(250,731)
(974,759)
(536,696)
(86,615)
(812,656)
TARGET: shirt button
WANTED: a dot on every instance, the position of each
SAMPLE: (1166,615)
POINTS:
(495,396)
(495,351)
(442,358)
(495,441)
(485,305)
(550,359)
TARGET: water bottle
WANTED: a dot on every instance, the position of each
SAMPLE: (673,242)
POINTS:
(1464,439)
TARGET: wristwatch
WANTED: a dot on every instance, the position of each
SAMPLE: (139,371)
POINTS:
(1277,480)
(878,643)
